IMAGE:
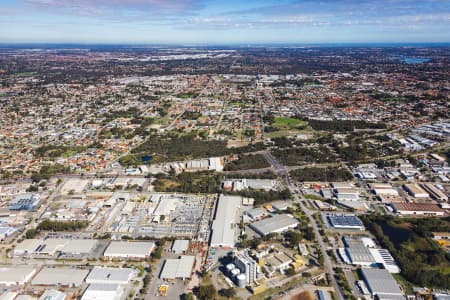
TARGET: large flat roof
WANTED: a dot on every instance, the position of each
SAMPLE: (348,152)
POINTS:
(224,224)
(17,274)
(79,246)
(344,221)
(381,282)
(178,268)
(179,246)
(110,275)
(277,223)
(129,249)
(60,276)
(417,207)
(360,254)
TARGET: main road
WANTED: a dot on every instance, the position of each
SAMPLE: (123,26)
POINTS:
(281,171)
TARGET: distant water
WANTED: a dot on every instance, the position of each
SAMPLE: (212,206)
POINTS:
(410,60)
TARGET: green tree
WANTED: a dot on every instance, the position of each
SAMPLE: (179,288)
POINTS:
(207,292)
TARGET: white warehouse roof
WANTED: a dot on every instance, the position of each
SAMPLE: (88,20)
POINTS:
(104,275)
(381,283)
(124,249)
(178,268)
(60,276)
(17,275)
(224,224)
(103,292)
(180,246)
(275,224)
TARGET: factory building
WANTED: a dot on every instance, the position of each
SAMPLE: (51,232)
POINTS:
(129,250)
(381,284)
(69,277)
(339,221)
(180,268)
(104,291)
(427,209)
(106,275)
(435,193)
(24,202)
(180,246)
(247,266)
(17,275)
(415,191)
(275,224)
(52,295)
(224,227)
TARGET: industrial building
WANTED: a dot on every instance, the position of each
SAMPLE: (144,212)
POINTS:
(106,275)
(6,231)
(427,209)
(24,202)
(52,295)
(50,276)
(51,247)
(275,224)
(103,291)
(16,275)
(363,252)
(381,284)
(347,194)
(340,221)
(255,184)
(180,268)
(180,246)
(415,191)
(279,261)
(383,189)
(247,266)
(256,213)
(435,193)
(225,222)
(129,250)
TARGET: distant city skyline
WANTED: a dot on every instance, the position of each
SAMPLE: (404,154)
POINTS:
(222,22)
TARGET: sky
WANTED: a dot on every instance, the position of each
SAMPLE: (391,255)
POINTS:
(224,22)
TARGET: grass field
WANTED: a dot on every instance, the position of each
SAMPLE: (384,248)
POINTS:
(286,122)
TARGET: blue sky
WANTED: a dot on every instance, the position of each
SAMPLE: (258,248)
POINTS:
(221,22)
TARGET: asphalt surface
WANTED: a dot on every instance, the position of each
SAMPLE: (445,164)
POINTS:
(281,171)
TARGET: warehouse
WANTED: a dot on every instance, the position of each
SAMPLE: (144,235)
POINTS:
(52,295)
(105,275)
(360,255)
(275,224)
(103,291)
(345,222)
(341,185)
(24,202)
(428,209)
(78,248)
(383,189)
(129,250)
(225,222)
(435,193)
(346,194)
(180,246)
(51,247)
(180,268)
(415,191)
(69,277)
(381,284)
(256,213)
(17,275)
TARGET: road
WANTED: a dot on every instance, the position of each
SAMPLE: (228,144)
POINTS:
(281,171)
